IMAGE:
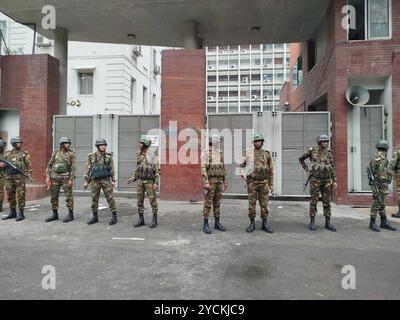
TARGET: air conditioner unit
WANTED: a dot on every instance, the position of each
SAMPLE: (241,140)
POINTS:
(254,96)
(245,80)
(210,67)
(157,70)
(233,66)
(210,98)
(40,42)
(137,50)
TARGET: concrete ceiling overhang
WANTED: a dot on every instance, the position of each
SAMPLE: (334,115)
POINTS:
(161,22)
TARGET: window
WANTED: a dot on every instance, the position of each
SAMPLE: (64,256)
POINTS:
(133,91)
(85,83)
(144,99)
(297,76)
(153,104)
(372,20)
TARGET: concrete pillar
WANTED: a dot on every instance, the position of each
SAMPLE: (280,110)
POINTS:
(61,53)
(192,40)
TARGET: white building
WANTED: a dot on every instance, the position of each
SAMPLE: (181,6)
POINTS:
(246,78)
(102,78)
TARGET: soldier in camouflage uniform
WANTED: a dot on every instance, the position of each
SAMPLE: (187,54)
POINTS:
(214,180)
(395,168)
(148,174)
(257,172)
(379,169)
(2,174)
(15,181)
(100,173)
(322,179)
(60,172)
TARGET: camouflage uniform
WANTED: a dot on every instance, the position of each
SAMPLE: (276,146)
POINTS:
(258,168)
(105,183)
(15,182)
(60,169)
(395,168)
(323,175)
(379,168)
(147,174)
(2,178)
(213,172)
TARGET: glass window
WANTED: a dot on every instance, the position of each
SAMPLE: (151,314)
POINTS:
(378,18)
(85,83)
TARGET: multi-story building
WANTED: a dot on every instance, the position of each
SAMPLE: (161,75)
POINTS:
(102,78)
(246,78)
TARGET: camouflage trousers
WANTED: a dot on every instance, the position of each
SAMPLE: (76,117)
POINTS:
(2,185)
(213,197)
(316,187)
(146,187)
(398,189)
(16,191)
(379,206)
(56,185)
(258,190)
(96,187)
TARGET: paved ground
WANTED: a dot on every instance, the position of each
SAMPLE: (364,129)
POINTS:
(178,261)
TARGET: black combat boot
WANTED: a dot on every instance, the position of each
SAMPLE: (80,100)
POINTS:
(311,226)
(373,226)
(396,215)
(218,225)
(252,225)
(328,224)
(154,222)
(54,216)
(20,215)
(206,227)
(70,216)
(11,215)
(385,224)
(94,219)
(113,219)
(1,206)
(266,227)
(140,221)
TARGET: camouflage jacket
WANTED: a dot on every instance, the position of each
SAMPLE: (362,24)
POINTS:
(258,165)
(3,171)
(61,164)
(100,159)
(380,169)
(322,163)
(212,164)
(148,168)
(21,159)
(394,165)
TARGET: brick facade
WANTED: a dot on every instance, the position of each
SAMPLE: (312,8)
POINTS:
(344,59)
(183,101)
(30,84)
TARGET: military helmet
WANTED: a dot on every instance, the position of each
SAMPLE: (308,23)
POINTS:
(2,144)
(15,140)
(258,137)
(214,138)
(383,144)
(65,140)
(145,140)
(322,137)
(100,142)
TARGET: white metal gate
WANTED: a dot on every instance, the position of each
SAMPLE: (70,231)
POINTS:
(121,132)
(287,136)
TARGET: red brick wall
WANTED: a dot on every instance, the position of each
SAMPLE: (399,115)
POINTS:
(342,60)
(30,84)
(182,100)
